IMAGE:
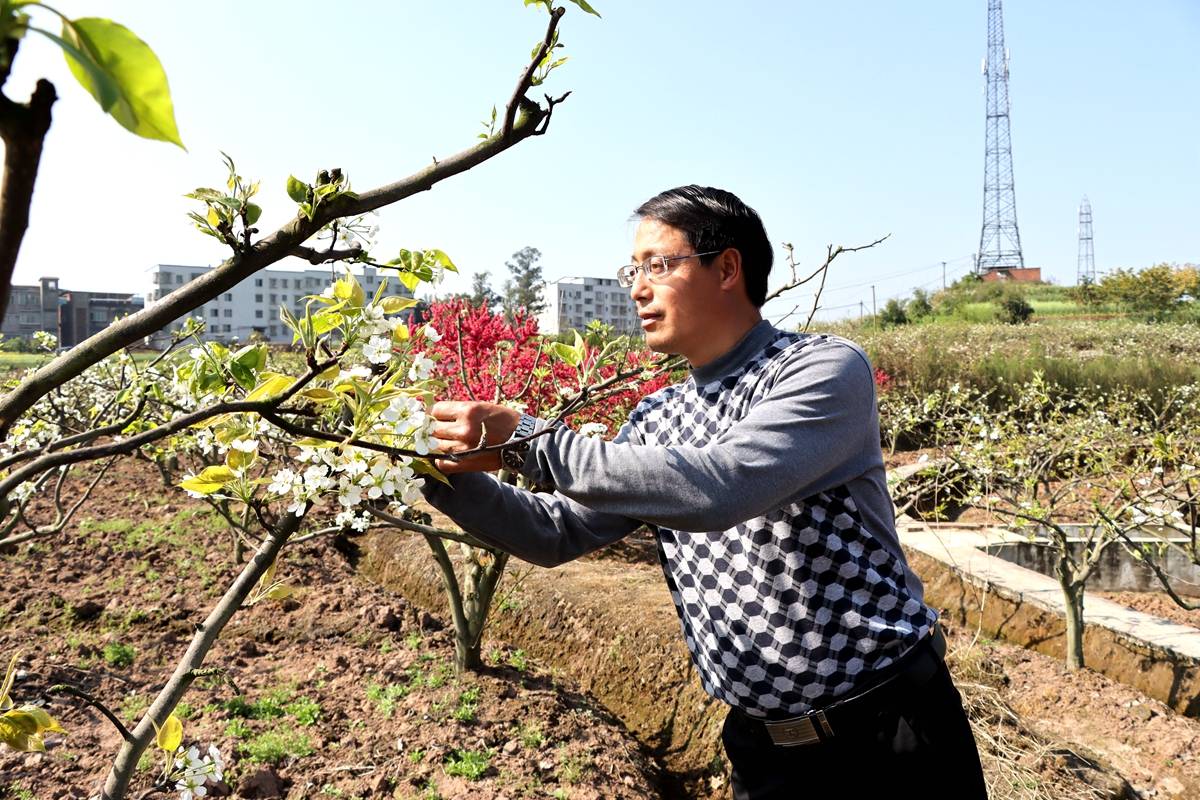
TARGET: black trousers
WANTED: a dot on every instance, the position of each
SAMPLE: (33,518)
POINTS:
(918,745)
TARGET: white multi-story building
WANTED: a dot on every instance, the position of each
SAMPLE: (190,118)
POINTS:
(253,305)
(574,302)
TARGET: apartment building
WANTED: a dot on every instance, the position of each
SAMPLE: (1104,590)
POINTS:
(252,306)
(71,315)
(571,303)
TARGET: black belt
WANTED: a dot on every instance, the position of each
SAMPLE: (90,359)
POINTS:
(912,670)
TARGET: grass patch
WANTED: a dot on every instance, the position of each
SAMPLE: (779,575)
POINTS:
(469,764)
(275,746)
(118,655)
(385,697)
(468,704)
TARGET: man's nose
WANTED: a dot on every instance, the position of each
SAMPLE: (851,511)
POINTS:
(641,287)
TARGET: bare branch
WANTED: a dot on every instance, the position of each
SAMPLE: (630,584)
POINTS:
(314,256)
(62,688)
(519,100)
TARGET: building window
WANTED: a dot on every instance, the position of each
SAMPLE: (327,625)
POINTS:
(258,282)
(272,283)
(228,297)
(296,283)
(258,298)
(273,298)
(179,278)
(193,276)
(214,313)
(229,312)
(225,329)
(274,329)
(258,313)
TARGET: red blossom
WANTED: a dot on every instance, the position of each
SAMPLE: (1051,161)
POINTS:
(501,362)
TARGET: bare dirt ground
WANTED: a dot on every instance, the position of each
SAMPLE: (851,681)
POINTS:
(347,691)
(342,691)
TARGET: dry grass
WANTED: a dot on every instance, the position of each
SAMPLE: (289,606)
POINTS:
(1019,764)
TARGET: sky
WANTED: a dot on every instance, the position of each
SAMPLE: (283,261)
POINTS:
(838,122)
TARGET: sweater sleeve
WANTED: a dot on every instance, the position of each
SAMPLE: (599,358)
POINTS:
(544,529)
(817,427)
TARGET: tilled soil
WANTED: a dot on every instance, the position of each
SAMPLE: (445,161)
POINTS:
(342,690)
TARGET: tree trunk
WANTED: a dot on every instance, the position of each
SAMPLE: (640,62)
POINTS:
(1073,595)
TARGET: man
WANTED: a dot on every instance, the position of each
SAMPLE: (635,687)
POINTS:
(763,479)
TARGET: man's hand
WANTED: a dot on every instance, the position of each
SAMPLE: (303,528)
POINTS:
(468,425)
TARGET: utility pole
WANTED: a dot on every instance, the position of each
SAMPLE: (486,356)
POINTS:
(999,240)
(1087,258)
(943,276)
(860,310)
(874,309)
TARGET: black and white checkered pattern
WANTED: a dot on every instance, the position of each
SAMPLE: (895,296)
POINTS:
(782,612)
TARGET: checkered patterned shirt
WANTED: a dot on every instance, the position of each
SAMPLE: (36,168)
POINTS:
(782,612)
(763,479)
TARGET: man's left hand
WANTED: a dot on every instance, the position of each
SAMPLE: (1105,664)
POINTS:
(461,426)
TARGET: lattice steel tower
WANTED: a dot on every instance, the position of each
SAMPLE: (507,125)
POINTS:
(1087,258)
(999,242)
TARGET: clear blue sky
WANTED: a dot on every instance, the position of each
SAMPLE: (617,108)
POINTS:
(838,122)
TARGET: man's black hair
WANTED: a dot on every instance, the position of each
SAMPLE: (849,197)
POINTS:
(714,219)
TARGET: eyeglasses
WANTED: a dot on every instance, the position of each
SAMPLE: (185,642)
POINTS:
(655,267)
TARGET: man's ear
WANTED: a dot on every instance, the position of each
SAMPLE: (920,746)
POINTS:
(729,262)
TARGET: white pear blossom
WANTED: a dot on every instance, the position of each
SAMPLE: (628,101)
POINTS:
(354,372)
(593,429)
(282,482)
(374,321)
(244,445)
(431,333)
(422,366)
(378,350)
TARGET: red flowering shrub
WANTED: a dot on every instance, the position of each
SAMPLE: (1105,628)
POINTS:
(883,381)
(487,357)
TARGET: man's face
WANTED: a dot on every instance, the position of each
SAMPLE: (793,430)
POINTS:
(676,310)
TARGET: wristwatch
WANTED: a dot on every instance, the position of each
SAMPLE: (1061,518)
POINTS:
(513,455)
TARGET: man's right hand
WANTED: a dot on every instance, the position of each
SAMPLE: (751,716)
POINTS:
(461,426)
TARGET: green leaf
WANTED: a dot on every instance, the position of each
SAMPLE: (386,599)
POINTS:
(325,321)
(143,103)
(566,353)
(441,258)
(210,480)
(297,189)
(585,6)
(410,281)
(395,303)
(106,93)
(253,212)
(273,385)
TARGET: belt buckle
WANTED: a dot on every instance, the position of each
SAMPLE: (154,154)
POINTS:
(806,730)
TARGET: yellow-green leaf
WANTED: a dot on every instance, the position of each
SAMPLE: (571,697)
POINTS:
(170,735)
(239,459)
(280,591)
(18,739)
(348,289)
(8,680)
(396,303)
(422,467)
(143,104)
(274,385)
(318,395)
(44,721)
(210,479)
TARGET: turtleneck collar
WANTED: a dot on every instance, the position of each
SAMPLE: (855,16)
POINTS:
(755,340)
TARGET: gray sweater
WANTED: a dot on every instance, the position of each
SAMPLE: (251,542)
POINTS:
(763,480)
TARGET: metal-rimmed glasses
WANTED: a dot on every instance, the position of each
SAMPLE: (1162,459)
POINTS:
(655,267)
